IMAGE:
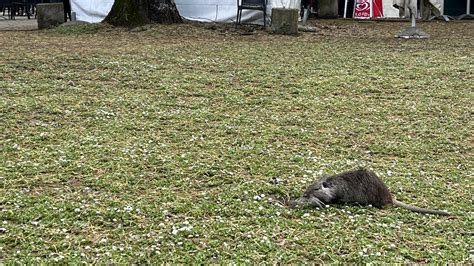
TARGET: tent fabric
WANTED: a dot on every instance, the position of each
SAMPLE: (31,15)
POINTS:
(91,10)
(226,10)
(366,9)
(199,10)
(207,10)
(436,4)
(406,5)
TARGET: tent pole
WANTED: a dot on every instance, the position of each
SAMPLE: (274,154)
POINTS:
(422,3)
(345,8)
(412,32)
(371,8)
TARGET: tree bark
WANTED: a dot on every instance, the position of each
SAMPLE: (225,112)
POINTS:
(131,13)
(164,11)
(127,13)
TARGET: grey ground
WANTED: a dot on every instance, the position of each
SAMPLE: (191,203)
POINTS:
(19,23)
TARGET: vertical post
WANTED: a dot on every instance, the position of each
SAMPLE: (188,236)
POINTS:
(345,8)
(371,8)
(354,9)
(468,7)
(422,3)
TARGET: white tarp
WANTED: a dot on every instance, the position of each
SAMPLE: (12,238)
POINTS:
(210,10)
(226,10)
(91,10)
(200,10)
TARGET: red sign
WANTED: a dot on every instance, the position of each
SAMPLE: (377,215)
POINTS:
(365,9)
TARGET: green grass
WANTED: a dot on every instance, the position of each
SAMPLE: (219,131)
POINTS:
(79,29)
(157,146)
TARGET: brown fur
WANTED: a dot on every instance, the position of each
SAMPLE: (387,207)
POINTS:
(358,186)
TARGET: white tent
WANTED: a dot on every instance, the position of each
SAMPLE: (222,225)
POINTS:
(215,10)
(199,10)
(91,10)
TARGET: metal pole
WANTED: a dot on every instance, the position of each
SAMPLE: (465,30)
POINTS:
(422,3)
(345,8)
(371,8)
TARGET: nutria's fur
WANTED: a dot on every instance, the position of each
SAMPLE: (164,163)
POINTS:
(359,186)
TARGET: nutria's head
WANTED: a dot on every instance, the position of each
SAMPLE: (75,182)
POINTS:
(317,195)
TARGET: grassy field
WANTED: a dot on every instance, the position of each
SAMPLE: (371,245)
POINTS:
(163,145)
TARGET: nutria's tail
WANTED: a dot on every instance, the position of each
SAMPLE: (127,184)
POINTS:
(416,209)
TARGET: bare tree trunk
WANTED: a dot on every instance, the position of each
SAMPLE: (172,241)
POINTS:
(132,13)
(164,11)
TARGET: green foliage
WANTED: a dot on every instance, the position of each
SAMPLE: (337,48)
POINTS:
(160,146)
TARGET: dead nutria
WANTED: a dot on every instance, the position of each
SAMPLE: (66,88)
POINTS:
(358,186)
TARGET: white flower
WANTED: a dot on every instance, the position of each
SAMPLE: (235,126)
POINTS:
(175,230)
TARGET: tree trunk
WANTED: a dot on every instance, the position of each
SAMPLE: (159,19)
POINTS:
(128,13)
(131,13)
(164,11)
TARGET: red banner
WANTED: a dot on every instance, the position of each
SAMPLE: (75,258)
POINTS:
(365,9)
